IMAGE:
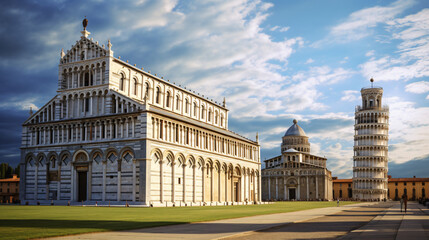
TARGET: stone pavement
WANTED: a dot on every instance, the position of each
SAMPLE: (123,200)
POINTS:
(363,220)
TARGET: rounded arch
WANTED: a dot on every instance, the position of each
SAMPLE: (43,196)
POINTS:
(80,155)
(65,157)
(30,157)
(52,156)
(126,149)
(224,167)
(191,161)
(156,155)
(201,162)
(41,159)
(237,170)
(94,153)
(181,158)
(111,155)
(169,157)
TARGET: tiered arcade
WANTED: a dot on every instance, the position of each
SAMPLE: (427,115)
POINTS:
(371,146)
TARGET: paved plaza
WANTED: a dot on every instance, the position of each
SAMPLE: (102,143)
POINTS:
(358,221)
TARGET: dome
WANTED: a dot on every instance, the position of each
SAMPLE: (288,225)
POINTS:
(295,130)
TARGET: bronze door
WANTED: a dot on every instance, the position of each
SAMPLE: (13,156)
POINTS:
(82,182)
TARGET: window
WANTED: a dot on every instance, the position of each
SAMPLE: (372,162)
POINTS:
(396,183)
(86,83)
(177,102)
(186,105)
(53,162)
(121,82)
(168,100)
(135,87)
(216,117)
(405,183)
(414,184)
(195,109)
(203,111)
(423,183)
(158,92)
(146,94)
(210,115)
(178,181)
(86,104)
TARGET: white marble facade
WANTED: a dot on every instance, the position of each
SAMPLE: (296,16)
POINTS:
(115,134)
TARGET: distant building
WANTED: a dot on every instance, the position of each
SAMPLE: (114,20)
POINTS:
(371,146)
(9,190)
(415,188)
(296,174)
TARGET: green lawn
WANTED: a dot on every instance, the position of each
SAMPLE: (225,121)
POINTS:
(23,222)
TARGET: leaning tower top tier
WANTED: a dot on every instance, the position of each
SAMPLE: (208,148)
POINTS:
(371,97)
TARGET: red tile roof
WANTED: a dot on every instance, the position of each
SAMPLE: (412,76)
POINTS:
(390,180)
(13,179)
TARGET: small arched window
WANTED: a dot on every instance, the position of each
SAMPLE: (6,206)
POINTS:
(221,120)
(186,105)
(146,94)
(216,117)
(121,82)
(158,92)
(210,115)
(82,55)
(168,99)
(177,102)
(195,109)
(86,82)
(135,86)
(203,111)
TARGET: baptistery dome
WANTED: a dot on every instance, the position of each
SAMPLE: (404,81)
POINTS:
(295,138)
(295,130)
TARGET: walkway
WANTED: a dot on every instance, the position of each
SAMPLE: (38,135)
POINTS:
(358,221)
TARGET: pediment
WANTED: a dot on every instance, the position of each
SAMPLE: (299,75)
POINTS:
(84,49)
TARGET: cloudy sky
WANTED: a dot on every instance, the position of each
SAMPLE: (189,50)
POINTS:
(273,61)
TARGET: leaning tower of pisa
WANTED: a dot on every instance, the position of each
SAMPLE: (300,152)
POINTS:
(371,146)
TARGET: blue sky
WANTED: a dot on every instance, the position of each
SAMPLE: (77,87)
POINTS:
(273,61)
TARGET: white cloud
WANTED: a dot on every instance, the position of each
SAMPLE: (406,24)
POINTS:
(350,96)
(408,128)
(345,59)
(19,103)
(310,60)
(360,23)
(280,29)
(412,58)
(418,87)
(370,53)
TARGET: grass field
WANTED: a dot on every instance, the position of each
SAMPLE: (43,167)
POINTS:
(23,222)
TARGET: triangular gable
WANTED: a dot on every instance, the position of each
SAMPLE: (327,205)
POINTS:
(35,115)
(80,45)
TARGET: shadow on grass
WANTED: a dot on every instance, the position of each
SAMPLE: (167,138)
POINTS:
(81,224)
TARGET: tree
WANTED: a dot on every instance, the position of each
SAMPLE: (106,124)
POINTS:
(6,171)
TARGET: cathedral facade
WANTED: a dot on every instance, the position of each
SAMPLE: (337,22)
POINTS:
(296,174)
(117,134)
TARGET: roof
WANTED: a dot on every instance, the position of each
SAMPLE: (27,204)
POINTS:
(408,179)
(295,130)
(390,180)
(291,150)
(13,179)
(342,180)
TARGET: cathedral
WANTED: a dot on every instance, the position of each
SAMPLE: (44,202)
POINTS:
(296,174)
(116,134)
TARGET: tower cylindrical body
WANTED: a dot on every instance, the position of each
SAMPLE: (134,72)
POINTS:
(371,146)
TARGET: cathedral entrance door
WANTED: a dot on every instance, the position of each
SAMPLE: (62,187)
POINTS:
(292,194)
(82,181)
(236,192)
